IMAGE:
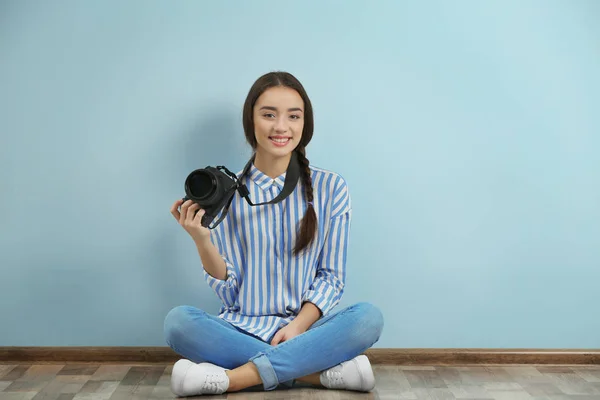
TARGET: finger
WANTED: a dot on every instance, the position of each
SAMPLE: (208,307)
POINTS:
(184,208)
(199,215)
(175,209)
(190,213)
(276,339)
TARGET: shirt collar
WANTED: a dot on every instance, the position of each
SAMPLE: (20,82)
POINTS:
(263,180)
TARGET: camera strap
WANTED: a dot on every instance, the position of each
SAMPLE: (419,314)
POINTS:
(291,180)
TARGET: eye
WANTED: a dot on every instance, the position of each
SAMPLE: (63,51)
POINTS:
(269,115)
(294,116)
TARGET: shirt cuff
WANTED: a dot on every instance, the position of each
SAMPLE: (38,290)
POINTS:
(322,302)
(219,284)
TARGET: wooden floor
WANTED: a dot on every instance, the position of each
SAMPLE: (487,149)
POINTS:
(151,381)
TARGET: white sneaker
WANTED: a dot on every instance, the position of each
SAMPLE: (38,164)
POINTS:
(355,374)
(190,379)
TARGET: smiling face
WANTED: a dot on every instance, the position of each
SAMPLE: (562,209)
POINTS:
(278,122)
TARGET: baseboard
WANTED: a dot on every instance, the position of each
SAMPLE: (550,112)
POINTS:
(377,356)
(484,356)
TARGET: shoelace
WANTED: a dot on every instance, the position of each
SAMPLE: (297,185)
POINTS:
(213,383)
(334,377)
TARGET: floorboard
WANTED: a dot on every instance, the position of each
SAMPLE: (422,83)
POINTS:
(151,381)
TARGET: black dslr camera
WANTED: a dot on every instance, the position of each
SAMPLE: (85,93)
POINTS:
(213,188)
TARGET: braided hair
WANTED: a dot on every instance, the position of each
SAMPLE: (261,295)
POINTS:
(308,225)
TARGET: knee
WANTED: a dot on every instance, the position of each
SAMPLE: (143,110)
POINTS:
(177,323)
(369,323)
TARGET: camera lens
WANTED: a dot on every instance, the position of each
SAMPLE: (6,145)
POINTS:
(201,184)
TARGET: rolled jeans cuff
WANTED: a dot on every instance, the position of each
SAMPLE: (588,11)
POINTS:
(266,371)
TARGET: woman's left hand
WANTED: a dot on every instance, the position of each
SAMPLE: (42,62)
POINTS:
(288,332)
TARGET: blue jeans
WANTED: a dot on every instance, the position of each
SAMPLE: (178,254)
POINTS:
(334,338)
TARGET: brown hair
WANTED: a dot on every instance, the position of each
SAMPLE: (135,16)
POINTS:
(308,225)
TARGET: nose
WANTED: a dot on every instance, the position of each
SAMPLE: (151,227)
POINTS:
(281,125)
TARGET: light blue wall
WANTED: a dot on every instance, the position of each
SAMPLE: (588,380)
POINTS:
(468,131)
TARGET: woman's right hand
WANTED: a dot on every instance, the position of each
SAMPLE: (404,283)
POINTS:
(189,221)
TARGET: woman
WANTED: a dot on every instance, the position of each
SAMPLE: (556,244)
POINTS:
(279,269)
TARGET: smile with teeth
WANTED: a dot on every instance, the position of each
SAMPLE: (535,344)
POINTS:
(280,140)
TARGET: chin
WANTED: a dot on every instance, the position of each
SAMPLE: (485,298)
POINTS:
(279,153)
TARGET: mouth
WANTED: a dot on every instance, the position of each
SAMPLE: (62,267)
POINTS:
(279,140)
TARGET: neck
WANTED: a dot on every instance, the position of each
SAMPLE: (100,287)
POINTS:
(271,166)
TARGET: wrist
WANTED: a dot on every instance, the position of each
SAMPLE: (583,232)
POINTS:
(203,242)
(301,324)
(308,315)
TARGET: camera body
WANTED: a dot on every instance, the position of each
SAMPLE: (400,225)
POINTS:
(211,189)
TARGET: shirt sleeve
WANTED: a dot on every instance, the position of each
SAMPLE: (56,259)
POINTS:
(328,286)
(226,290)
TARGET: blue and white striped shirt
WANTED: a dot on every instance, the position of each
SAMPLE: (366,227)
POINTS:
(266,283)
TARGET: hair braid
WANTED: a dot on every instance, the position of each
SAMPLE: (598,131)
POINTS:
(308,225)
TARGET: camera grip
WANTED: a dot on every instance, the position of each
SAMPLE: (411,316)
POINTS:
(205,220)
